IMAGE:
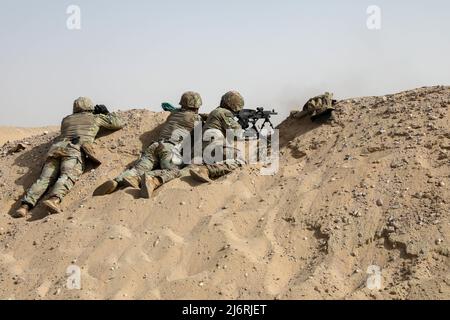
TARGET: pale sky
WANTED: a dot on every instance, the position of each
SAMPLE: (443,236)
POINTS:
(137,54)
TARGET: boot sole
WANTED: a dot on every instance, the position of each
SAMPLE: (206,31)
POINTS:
(145,190)
(51,207)
(131,183)
(18,215)
(199,177)
(107,188)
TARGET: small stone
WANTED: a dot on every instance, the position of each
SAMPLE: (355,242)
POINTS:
(380,203)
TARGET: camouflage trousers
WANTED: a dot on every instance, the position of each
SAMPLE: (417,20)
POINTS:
(232,160)
(223,168)
(156,161)
(62,173)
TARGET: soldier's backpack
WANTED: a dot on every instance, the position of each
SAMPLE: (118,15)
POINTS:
(320,106)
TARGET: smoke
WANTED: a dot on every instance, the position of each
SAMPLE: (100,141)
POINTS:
(277,55)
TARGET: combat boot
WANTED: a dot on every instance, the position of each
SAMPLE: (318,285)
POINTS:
(132,182)
(148,185)
(200,174)
(106,188)
(22,212)
(52,205)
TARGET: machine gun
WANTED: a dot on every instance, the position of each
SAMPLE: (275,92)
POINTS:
(248,119)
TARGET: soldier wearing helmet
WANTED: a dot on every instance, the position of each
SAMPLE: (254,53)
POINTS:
(218,123)
(67,157)
(160,162)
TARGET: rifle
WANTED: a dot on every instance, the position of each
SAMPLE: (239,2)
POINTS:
(248,119)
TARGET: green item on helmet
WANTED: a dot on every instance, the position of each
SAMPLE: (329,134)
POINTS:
(169,107)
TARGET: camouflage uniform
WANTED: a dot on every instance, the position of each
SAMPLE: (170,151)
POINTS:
(221,120)
(319,105)
(161,154)
(65,160)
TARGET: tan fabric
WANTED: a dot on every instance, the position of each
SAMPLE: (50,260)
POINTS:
(320,104)
(221,119)
(233,101)
(86,126)
(179,122)
(83,104)
(191,100)
(65,162)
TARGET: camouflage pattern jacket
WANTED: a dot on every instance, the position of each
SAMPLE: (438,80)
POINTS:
(178,125)
(222,119)
(80,129)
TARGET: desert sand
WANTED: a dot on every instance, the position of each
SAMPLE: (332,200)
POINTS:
(368,188)
(12,134)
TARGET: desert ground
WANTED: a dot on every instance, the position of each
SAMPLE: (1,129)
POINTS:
(13,134)
(369,187)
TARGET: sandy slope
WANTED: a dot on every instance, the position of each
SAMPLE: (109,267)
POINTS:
(369,188)
(11,133)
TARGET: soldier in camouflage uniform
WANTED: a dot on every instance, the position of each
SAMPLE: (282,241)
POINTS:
(67,157)
(319,106)
(158,164)
(219,121)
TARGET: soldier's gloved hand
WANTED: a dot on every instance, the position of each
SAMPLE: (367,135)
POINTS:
(101,109)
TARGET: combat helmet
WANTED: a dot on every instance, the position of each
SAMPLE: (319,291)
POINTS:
(320,104)
(233,101)
(83,104)
(191,100)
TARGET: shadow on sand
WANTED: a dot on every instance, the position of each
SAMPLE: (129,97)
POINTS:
(34,159)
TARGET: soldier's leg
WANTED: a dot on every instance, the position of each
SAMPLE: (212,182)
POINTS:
(166,175)
(71,171)
(169,170)
(211,171)
(165,154)
(132,176)
(48,176)
(145,164)
(155,179)
(223,168)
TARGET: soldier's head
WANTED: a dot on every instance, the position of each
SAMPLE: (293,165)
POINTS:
(83,104)
(191,100)
(233,101)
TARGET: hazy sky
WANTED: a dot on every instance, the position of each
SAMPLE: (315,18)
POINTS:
(137,54)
